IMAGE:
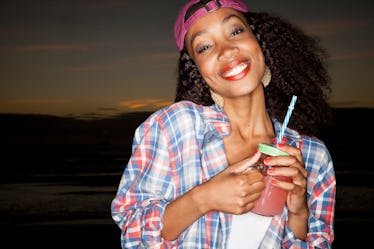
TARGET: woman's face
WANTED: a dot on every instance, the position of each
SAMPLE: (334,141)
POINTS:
(226,52)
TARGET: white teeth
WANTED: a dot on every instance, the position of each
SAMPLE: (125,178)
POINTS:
(236,70)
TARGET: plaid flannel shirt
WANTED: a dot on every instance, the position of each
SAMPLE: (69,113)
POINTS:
(181,146)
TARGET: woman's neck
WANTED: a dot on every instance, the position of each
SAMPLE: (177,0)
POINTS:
(250,125)
(249,118)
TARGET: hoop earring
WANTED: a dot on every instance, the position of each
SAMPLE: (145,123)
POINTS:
(267,76)
(217,98)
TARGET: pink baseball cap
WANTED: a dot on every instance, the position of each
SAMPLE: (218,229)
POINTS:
(181,26)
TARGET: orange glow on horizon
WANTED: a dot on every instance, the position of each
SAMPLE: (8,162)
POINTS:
(149,104)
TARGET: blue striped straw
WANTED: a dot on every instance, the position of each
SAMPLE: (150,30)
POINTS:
(286,119)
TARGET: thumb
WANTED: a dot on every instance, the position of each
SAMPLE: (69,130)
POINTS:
(243,165)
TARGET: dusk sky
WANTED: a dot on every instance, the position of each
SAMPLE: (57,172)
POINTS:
(94,58)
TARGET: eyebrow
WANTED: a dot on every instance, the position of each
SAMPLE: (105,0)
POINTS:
(225,20)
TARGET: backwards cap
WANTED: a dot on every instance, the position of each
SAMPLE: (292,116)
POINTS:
(181,25)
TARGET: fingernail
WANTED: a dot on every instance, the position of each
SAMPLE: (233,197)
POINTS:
(274,181)
(266,160)
(270,170)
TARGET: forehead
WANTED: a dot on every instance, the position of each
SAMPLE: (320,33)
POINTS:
(216,17)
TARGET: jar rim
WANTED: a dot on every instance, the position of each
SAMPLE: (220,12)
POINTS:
(271,150)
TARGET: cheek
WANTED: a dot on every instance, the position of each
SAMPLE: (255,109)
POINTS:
(256,47)
(252,45)
(206,69)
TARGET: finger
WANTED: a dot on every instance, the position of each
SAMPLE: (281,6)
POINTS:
(297,173)
(253,176)
(246,203)
(291,150)
(289,186)
(297,187)
(243,165)
(286,162)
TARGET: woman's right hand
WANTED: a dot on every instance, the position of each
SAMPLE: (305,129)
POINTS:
(234,189)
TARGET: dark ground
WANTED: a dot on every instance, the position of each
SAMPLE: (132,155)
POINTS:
(59,176)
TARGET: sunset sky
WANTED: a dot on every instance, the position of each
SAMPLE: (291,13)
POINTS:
(94,58)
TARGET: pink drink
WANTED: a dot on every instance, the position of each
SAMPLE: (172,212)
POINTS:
(272,198)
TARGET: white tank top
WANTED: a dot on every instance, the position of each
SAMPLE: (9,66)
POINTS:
(247,230)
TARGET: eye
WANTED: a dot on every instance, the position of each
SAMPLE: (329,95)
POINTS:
(203,48)
(237,31)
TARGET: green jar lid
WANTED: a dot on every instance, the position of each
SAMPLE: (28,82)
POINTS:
(271,150)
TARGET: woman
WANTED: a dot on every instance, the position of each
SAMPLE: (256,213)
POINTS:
(186,179)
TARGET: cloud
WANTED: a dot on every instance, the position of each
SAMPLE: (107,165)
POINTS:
(101,65)
(62,47)
(107,109)
(103,5)
(353,56)
(15,102)
(352,103)
(72,6)
(155,45)
(163,56)
(89,68)
(52,48)
(334,26)
(144,104)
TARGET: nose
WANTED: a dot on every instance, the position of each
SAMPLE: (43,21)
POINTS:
(227,52)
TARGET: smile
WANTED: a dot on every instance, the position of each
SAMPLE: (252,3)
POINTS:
(236,72)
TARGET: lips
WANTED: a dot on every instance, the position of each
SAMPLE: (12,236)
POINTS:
(236,70)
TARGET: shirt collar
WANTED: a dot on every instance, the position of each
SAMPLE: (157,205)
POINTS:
(216,116)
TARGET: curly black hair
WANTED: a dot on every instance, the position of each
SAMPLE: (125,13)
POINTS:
(298,66)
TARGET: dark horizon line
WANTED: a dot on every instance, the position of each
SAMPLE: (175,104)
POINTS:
(98,116)
(85,116)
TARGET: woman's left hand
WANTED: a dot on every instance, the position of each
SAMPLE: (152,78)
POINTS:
(295,168)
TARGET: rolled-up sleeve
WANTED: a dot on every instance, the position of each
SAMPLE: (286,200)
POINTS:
(146,188)
(321,198)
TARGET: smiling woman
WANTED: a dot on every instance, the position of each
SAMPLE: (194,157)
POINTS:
(186,183)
